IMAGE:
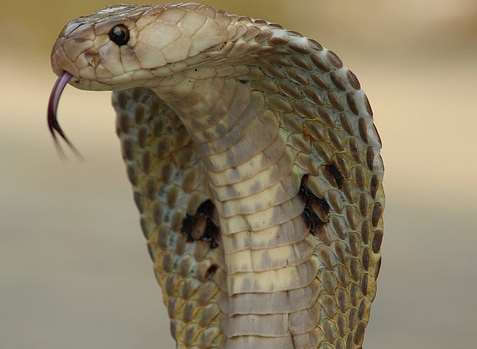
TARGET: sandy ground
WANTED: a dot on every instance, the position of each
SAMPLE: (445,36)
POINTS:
(74,272)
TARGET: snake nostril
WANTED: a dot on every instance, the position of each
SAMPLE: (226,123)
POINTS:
(92,58)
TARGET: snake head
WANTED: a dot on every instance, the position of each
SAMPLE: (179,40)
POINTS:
(128,46)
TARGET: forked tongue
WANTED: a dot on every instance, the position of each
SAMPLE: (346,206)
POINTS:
(53,125)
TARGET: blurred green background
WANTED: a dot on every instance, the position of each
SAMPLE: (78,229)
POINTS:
(74,272)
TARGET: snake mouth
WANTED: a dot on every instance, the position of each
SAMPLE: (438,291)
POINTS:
(52,114)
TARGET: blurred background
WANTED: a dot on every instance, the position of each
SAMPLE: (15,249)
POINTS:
(74,272)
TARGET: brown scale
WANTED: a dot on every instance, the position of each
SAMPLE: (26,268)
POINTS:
(316,210)
(201,226)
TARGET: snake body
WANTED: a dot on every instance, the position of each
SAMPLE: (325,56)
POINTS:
(255,167)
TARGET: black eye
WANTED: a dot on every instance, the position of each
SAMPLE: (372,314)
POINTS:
(119,34)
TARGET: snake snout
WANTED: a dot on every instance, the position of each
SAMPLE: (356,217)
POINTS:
(60,62)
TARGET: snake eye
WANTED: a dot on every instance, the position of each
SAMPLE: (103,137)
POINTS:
(119,34)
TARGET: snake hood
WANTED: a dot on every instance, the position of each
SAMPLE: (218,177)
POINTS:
(255,167)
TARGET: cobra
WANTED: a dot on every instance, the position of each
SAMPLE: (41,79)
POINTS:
(255,167)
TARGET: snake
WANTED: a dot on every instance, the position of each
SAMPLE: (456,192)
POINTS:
(255,166)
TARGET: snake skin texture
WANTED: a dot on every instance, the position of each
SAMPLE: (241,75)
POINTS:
(255,166)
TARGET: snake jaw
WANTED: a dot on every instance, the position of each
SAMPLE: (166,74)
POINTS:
(52,113)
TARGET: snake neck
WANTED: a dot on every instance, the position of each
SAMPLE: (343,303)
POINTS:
(254,185)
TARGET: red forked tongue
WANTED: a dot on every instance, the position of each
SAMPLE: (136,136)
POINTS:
(53,125)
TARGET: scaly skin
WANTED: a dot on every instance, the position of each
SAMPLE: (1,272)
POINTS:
(271,128)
